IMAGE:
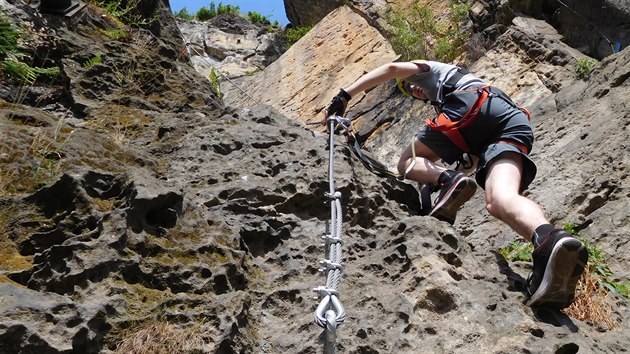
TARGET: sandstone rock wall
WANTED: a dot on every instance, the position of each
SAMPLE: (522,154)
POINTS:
(130,195)
(331,56)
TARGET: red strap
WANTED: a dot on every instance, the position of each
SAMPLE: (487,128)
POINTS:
(457,139)
(529,116)
(443,123)
(517,144)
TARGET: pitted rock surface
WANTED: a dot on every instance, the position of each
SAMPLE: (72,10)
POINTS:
(136,195)
(230,45)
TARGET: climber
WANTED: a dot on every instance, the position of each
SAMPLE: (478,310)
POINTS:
(480,120)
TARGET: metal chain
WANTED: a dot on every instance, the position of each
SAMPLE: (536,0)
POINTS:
(330,313)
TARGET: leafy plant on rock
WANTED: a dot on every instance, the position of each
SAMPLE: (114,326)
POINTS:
(98,59)
(256,17)
(599,267)
(8,38)
(583,67)
(415,33)
(214,77)
(292,35)
(517,251)
(12,65)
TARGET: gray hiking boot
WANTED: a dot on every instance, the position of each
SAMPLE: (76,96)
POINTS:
(558,264)
(453,194)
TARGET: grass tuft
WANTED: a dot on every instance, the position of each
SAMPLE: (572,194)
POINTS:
(161,337)
(590,303)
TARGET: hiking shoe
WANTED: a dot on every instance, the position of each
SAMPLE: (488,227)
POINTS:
(453,194)
(558,263)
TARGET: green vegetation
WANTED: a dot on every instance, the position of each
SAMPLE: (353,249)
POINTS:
(415,33)
(112,7)
(207,13)
(93,61)
(596,283)
(120,15)
(599,268)
(213,10)
(12,65)
(292,35)
(256,17)
(8,38)
(24,74)
(522,251)
(117,34)
(583,68)
(214,77)
(124,11)
(184,14)
(518,251)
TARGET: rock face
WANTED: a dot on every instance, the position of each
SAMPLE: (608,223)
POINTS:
(309,13)
(294,85)
(231,44)
(130,194)
(595,28)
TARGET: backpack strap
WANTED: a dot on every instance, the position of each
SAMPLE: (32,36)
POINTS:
(449,85)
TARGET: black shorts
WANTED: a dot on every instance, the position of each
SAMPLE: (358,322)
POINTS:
(498,120)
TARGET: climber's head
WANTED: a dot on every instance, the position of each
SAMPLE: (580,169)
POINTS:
(404,87)
(409,89)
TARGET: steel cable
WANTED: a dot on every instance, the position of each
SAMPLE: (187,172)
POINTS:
(330,313)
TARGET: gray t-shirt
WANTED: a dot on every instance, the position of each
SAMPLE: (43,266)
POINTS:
(431,81)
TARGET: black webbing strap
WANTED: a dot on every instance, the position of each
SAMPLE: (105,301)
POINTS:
(449,85)
(345,125)
(368,161)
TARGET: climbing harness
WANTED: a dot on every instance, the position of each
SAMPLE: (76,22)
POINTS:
(330,313)
(192,46)
(449,85)
(443,123)
(453,116)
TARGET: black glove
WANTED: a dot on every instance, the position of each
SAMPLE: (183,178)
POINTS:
(338,104)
